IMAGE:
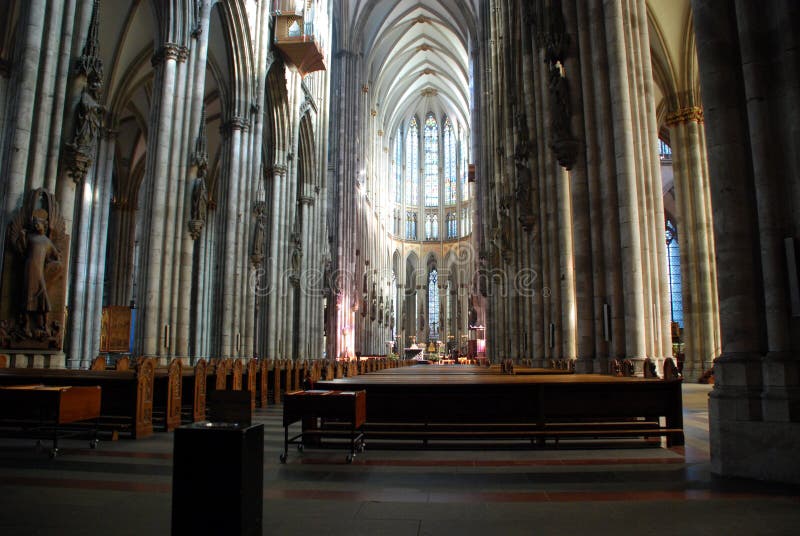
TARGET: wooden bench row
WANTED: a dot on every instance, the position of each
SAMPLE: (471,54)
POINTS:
(139,397)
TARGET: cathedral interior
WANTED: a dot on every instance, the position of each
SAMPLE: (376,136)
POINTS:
(552,184)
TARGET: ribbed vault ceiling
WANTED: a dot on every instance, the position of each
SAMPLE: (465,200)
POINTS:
(412,47)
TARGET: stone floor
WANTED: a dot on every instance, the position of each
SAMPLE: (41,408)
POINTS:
(124,488)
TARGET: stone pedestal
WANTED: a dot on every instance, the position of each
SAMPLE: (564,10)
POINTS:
(750,449)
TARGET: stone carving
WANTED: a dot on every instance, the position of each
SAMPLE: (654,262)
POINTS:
(33,303)
(472,317)
(499,248)
(523,190)
(79,153)
(259,234)
(373,310)
(199,208)
(297,253)
(551,35)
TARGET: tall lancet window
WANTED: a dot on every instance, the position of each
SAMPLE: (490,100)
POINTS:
(398,167)
(674,265)
(412,163)
(433,304)
(431,161)
(432,227)
(464,168)
(452,226)
(450,176)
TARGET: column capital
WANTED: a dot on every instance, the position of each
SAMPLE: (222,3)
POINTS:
(234,123)
(277,169)
(685,115)
(169,51)
(307,200)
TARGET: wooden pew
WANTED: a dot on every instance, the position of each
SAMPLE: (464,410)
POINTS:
(100,363)
(263,382)
(167,395)
(297,369)
(276,381)
(500,406)
(126,396)
(193,392)
(252,381)
(236,373)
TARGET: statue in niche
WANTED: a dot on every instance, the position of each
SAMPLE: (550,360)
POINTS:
(200,200)
(36,234)
(89,118)
(524,183)
(560,110)
(297,253)
(422,326)
(259,237)
(499,249)
(473,313)
(373,312)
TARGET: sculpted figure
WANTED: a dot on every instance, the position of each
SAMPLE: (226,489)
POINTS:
(39,252)
(89,115)
(258,237)
(199,200)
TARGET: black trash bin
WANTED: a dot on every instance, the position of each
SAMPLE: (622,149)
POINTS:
(218,479)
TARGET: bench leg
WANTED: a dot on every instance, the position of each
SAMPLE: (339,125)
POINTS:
(285,454)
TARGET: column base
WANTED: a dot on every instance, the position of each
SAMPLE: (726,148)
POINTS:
(39,361)
(584,365)
(758,450)
(781,397)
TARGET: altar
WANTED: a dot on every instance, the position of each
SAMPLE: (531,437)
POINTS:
(413,352)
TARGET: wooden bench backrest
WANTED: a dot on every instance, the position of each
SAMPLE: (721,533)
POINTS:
(221,374)
(263,367)
(276,381)
(98,363)
(199,405)
(252,381)
(123,363)
(145,376)
(671,370)
(236,371)
(175,394)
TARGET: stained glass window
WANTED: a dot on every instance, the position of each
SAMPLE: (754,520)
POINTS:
(433,304)
(674,267)
(432,227)
(411,225)
(452,226)
(464,169)
(450,176)
(412,163)
(431,161)
(398,167)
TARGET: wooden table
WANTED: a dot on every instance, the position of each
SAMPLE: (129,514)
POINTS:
(343,406)
(50,406)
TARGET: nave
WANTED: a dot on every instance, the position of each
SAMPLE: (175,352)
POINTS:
(614,490)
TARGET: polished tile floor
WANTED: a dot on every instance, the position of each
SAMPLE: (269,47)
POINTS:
(124,488)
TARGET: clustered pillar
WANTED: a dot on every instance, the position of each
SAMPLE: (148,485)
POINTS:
(572,141)
(749,80)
